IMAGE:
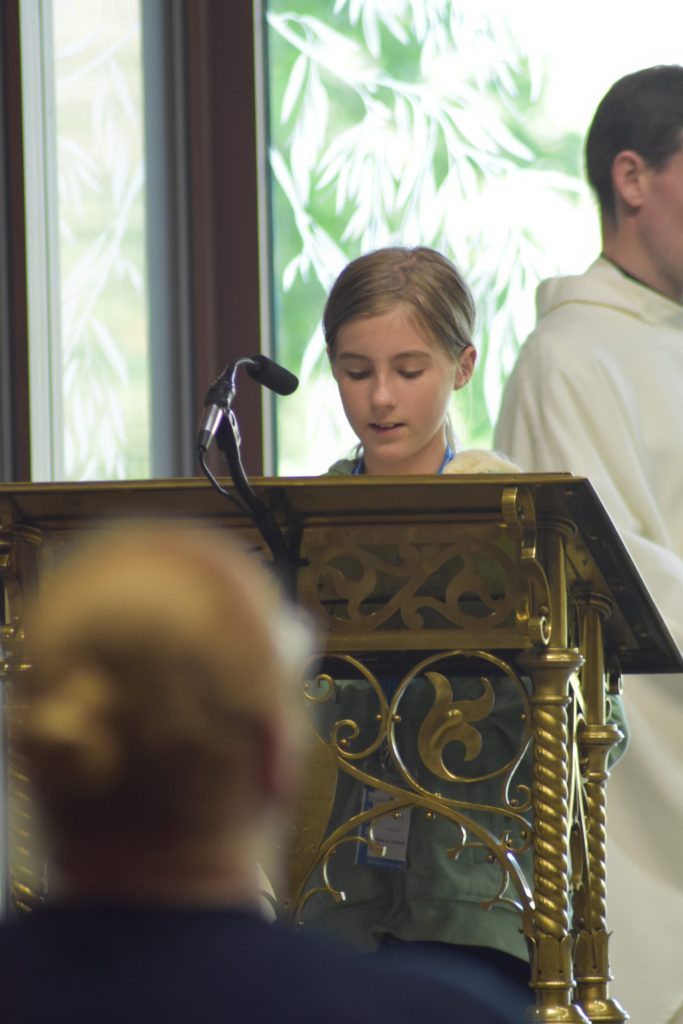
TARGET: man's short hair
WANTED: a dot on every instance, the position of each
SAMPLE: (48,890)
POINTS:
(642,111)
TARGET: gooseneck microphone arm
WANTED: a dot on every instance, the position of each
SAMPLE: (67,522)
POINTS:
(221,394)
(218,422)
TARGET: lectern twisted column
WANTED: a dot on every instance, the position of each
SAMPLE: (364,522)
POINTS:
(551,967)
(596,738)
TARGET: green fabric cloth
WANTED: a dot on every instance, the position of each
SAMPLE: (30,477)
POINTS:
(343,467)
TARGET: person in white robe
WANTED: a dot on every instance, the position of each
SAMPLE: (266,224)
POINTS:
(598,391)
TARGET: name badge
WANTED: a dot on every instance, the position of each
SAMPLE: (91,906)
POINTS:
(386,845)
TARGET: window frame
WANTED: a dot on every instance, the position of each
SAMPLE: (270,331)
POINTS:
(214,267)
(15,432)
(225,229)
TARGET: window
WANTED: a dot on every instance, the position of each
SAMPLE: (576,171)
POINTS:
(100,246)
(454,125)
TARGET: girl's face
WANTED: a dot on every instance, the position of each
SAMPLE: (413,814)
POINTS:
(395,385)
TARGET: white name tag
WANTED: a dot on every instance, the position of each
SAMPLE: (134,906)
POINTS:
(386,844)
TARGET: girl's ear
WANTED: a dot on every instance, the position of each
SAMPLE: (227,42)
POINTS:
(465,367)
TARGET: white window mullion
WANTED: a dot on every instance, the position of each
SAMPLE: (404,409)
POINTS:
(42,239)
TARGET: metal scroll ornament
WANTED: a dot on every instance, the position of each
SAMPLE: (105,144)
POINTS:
(427,740)
(533,592)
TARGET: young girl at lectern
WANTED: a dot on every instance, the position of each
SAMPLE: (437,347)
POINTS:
(398,326)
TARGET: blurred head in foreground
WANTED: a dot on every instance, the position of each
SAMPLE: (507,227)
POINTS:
(160,717)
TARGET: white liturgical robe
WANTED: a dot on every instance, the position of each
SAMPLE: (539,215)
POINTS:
(598,391)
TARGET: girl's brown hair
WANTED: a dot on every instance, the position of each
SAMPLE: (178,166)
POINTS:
(421,279)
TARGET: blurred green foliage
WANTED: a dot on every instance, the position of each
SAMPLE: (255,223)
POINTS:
(409,122)
(100,173)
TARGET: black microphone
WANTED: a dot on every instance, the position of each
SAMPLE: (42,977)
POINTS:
(217,404)
(221,394)
(272,375)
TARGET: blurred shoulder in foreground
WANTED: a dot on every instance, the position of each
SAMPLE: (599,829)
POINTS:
(161,729)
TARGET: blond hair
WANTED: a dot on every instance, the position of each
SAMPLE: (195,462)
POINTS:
(420,279)
(156,652)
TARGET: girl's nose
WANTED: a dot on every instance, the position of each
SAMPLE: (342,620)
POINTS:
(382,393)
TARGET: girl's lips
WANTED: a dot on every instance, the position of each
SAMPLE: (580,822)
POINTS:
(385,426)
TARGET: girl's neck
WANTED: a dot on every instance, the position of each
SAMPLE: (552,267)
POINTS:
(423,463)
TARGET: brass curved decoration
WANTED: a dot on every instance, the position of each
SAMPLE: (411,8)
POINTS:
(347,832)
(533,605)
(344,731)
(437,731)
(451,721)
(442,580)
(512,809)
(337,839)
(320,689)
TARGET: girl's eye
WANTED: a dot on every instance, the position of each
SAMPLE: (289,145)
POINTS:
(357,374)
(411,374)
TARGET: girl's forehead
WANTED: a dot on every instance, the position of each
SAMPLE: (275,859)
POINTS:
(393,332)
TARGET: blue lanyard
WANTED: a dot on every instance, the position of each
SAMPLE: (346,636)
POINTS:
(359,467)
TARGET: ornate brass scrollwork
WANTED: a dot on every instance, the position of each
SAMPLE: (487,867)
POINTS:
(413,582)
(450,721)
(424,774)
(533,596)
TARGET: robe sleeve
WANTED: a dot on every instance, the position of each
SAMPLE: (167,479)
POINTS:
(584,425)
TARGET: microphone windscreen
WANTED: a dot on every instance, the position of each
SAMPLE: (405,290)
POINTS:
(272,375)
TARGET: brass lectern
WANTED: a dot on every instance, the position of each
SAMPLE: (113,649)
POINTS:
(524,573)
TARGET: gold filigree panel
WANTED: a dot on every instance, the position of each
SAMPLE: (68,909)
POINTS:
(448,740)
(417,586)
